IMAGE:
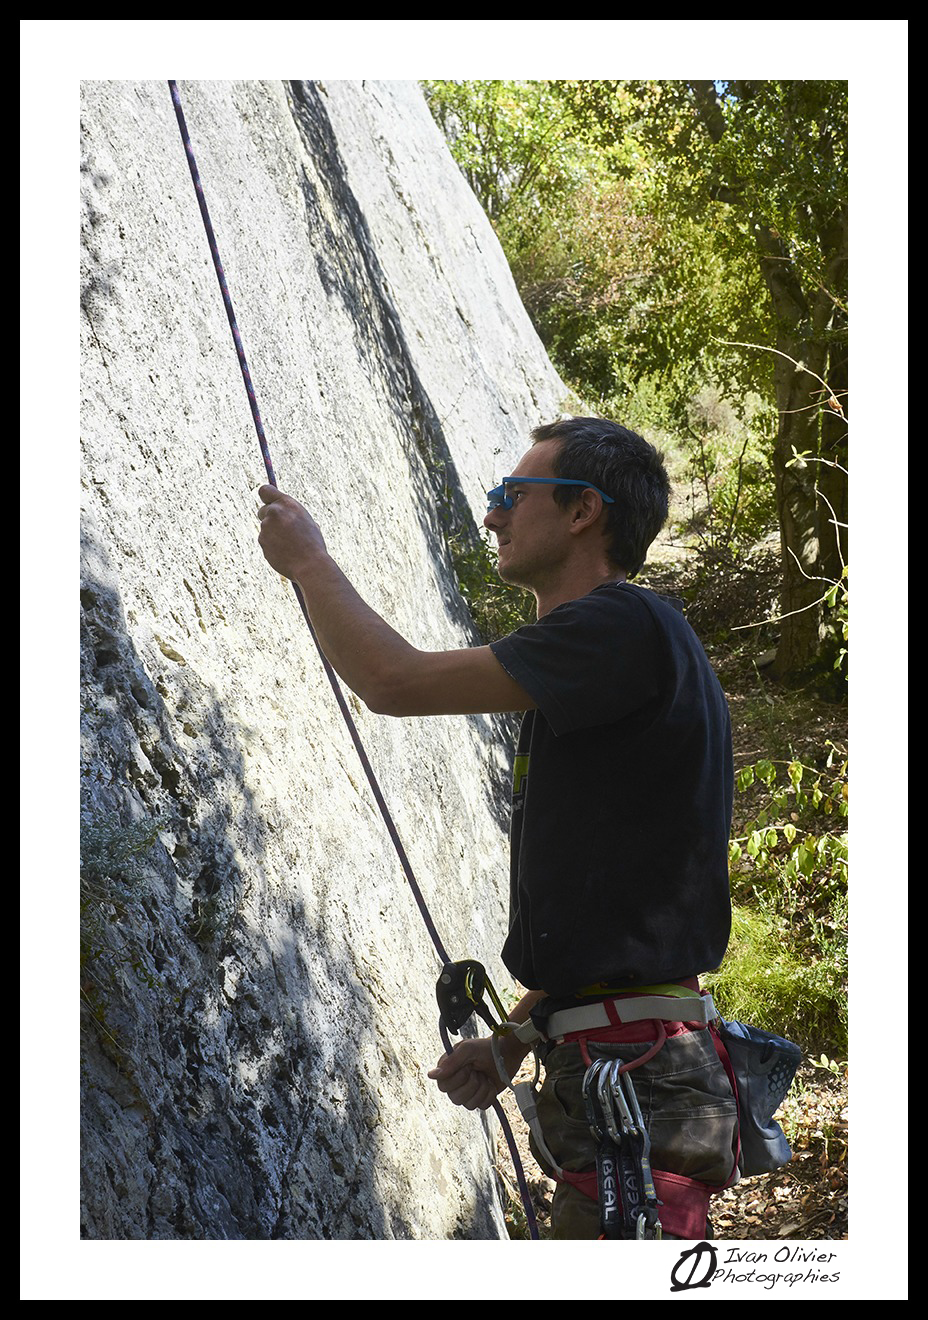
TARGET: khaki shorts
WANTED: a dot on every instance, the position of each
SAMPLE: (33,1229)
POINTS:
(687,1104)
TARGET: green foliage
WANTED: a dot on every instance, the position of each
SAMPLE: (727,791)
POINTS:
(566,202)
(787,963)
(766,981)
(704,283)
(833,1066)
(627,277)
(796,843)
(785,150)
(114,882)
(586,276)
(514,142)
(748,155)
(731,499)
(112,853)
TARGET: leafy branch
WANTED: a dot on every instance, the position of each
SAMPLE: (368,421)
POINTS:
(788,871)
(787,808)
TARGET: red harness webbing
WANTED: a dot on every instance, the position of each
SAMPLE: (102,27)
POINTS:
(684,1201)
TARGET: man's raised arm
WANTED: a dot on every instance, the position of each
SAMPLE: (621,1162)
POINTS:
(389,675)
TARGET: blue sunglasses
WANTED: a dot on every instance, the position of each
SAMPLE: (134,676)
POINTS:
(498,499)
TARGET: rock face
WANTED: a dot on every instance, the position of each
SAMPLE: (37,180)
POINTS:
(257,983)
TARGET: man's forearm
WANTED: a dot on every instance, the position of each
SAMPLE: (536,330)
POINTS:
(387,673)
(361,646)
(523,1008)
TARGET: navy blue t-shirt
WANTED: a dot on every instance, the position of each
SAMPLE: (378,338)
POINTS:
(622,797)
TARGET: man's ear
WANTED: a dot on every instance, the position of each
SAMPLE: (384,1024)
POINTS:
(586,510)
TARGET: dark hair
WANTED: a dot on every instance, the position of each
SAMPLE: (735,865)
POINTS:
(625,466)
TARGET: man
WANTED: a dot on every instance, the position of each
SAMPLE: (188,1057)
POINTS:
(621,802)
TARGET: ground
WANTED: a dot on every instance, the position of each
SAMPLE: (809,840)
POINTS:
(807,1200)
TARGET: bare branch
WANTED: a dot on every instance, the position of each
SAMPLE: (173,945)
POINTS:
(800,366)
(834,521)
(740,627)
(808,577)
(826,462)
(737,499)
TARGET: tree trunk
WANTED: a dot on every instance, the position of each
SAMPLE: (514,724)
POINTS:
(799,399)
(833,479)
(804,320)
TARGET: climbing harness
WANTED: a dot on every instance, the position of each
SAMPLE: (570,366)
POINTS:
(329,671)
(636,1200)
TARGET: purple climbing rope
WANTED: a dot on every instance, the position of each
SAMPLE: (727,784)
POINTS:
(330,672)
(221,276)
(265,453)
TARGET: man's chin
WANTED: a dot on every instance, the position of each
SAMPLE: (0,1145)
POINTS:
(504,571)
(509,573)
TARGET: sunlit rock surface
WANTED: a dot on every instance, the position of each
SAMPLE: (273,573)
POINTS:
(257,983)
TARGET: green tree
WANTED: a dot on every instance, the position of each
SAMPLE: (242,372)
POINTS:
(515,143)
(762,167)
(687,234)
(571,208)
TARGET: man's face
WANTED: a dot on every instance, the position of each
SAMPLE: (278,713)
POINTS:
(532,536)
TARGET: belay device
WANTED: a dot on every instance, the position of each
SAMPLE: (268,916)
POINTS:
(460,991)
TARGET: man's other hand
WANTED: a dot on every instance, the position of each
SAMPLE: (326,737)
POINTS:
(468,1075)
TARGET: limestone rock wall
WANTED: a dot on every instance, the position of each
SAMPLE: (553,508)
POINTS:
(257,984)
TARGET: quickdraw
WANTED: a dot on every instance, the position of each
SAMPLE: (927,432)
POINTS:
(629,1206)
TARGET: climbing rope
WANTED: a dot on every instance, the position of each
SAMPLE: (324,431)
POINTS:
(330,672)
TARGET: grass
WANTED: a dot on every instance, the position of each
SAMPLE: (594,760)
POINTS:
(770,982)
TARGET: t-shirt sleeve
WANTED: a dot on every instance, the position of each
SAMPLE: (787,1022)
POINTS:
(591,661)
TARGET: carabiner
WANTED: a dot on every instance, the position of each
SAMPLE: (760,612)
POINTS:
(646,1233)
(594,1114)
